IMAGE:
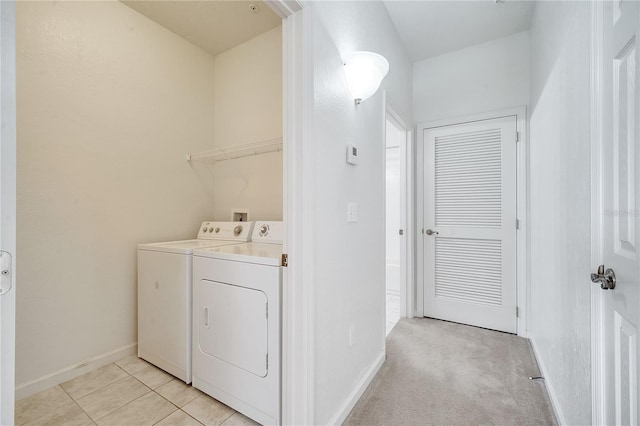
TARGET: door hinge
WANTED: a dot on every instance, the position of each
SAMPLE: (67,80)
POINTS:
(266,310)
(517,312)
(5,271)
(517,223)
(285,260)
(517,137)
(266,358)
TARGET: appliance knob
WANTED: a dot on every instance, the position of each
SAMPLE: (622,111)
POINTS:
(204,229)
(217,230)
(210,229)
(264,229)
(237,230)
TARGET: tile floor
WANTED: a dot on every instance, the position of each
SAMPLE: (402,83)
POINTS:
(393,309)
(127,392)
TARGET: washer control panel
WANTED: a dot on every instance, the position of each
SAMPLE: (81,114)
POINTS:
(240,231)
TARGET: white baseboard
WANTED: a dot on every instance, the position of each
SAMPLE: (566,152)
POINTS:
(356,394)
(27,389)
(555,404)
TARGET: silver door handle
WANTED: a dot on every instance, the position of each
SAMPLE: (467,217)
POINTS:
(606,279)
(431,232)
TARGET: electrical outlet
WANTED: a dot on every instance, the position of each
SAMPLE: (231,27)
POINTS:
(352,212)
(352,334)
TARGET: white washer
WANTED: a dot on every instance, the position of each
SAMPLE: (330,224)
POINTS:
(165,295)
(237,294)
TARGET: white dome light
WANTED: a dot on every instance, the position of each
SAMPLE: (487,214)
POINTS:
(364,71)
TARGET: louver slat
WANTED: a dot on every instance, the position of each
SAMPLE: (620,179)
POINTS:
(468,179)
(469,270)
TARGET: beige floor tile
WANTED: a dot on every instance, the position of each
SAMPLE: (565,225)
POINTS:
(94,380)
(132,364)
(178,392)
(238,419)
(178,418)
(39,404)
(111,397)
(67,415)
(153,377)
(208,411)
(146,410)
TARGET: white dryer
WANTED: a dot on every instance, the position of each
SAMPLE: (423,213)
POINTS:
(237,294)
(165,295)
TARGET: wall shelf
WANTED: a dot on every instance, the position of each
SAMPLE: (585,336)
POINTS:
(239,151)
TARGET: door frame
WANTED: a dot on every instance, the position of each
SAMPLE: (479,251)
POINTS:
(298,323)
(407,262)
(522,201)
(8,205)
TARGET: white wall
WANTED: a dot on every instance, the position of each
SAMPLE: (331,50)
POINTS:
(349,259)
(248,108)
(108,104)
(560,203)
(481,78)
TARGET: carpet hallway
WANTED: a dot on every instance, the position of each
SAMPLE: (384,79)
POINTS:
(443,373)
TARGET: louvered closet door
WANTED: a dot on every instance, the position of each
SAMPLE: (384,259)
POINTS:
(470,201)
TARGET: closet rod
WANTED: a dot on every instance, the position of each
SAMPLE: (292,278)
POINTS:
(239,151)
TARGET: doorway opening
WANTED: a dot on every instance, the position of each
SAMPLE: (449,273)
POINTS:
(397,223)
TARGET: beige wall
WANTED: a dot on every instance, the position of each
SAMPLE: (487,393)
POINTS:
(108,104)
(248,108)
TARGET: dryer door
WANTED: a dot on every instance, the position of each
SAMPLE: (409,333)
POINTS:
(233,325)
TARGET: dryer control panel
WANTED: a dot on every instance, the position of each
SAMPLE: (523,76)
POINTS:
(267,232)
(236,231)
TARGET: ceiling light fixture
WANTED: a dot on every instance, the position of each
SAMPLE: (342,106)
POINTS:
(364,71)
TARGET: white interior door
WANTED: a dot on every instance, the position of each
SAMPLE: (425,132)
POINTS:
(7,210)
(469,240)
(619,233)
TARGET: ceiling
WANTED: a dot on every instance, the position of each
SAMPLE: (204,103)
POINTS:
(215,26)
(427,28)
(432,28)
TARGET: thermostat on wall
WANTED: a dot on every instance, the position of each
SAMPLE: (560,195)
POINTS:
(352,154)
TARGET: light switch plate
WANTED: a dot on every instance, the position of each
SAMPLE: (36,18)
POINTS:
(352,212)
(352,154)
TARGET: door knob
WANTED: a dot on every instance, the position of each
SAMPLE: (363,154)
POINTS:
(431,232)
(606,279)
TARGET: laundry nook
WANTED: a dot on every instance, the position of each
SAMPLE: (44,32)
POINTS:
(328,212)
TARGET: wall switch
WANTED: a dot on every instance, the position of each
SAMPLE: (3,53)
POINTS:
(352,154)
(352,212)
(352,334)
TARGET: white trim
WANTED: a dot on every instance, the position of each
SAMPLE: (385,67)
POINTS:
(8,205)
(522,175)
(298,330)
(284,8)
(597,332)
(407,291)
(553,396)
(355,395)
(73,371)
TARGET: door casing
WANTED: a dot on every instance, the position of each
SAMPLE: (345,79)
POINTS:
(8,205)
(522,214)
(407,287)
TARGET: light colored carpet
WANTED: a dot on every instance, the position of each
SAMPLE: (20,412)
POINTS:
(443,373)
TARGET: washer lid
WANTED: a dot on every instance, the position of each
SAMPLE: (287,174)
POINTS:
(184,246)
(260,253)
